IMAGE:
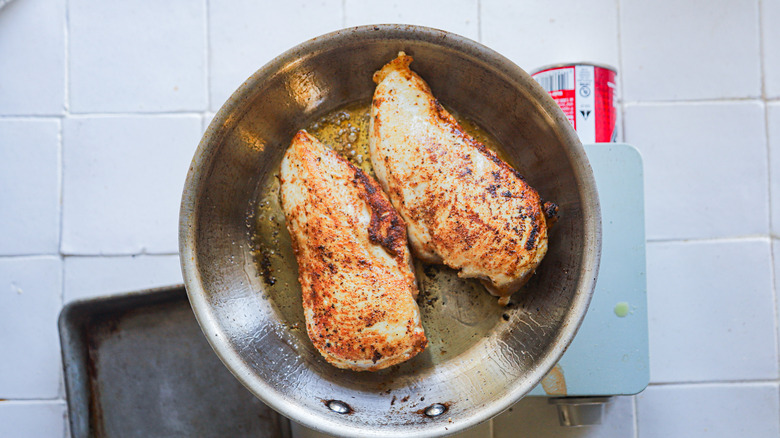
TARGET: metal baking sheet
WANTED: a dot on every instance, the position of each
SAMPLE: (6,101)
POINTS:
(137,365)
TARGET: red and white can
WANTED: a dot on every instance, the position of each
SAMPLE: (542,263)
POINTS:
(587,94)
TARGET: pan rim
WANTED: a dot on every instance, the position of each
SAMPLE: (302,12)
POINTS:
(205,154)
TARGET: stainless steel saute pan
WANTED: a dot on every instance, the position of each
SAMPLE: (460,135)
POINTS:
(482,358)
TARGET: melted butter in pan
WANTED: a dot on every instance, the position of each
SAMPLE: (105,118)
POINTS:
(345,130)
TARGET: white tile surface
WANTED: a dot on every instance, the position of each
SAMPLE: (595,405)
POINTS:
(773,129)
(705,168)
(716,411)
(770,26)
(30,181)
(32,48)
(708,175)
(699,49)
(244,35)
(711,311)
(457,16)
(32,419)
(128,56)
(30,291)
(540,33)
(536,417)
(87,277)
(123,178)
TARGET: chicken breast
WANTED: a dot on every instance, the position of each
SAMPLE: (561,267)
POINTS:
(354,263)
(463,206)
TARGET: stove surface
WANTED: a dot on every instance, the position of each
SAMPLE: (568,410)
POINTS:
(609,355)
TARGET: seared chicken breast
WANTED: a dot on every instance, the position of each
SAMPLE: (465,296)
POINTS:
(463,206)
(353,259)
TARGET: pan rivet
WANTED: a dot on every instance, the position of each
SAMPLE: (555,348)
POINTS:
(339,407)
(435,410)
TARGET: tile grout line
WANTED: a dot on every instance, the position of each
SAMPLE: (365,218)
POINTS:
(479,28)
(60,181)
(207,57)
(635,406)
(620,73)
(32,401)
(117,114)
(30,117)
(761,66)
(61,390)
(343,14)
(713,100)
(63,255)
(732,382)
(634,401)
(30,256)
(61,168)
(118,255)
(772,277)
(721,239)
(66,40)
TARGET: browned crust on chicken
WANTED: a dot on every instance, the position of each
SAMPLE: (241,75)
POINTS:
(386,227)
(355,272)
(463,205)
